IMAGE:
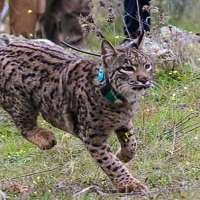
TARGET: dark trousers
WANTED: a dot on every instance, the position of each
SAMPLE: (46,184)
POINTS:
(131,17)
(61,20)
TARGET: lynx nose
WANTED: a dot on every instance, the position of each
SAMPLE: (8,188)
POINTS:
(143,79)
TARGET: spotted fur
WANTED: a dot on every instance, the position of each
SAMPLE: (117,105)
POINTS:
(40,78)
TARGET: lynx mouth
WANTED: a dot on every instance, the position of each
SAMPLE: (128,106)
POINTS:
(140,87)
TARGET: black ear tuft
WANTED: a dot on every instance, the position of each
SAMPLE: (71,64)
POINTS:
(107,49)
(138,42)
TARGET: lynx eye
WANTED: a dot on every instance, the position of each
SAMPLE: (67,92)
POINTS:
(128,69)
(147,67)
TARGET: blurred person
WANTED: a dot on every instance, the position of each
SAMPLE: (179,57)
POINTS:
(24,15)
(131,29)
(61,20)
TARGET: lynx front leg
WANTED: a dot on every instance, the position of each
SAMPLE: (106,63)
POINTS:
(128,143)
(113,167)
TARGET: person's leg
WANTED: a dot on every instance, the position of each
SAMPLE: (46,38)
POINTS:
(51,20)
(23,17)
(1,5)
(41,7)
(71,29)
(131,17)
(145,15)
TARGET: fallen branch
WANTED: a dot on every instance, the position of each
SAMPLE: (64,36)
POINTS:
(89,189)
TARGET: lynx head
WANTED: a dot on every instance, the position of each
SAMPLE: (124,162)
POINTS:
(128,71)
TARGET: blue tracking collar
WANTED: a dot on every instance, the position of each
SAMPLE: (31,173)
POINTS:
(105,88)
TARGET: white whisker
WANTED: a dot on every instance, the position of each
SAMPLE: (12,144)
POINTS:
(128,93)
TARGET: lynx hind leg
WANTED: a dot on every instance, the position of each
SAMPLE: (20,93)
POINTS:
(25,118)
(43,138)
(113,167)
(128,143)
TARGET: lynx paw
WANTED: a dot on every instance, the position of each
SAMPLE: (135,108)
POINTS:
(133,187)
(42,138)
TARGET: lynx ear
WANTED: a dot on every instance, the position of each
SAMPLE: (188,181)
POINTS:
(138,42)
(107,49)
